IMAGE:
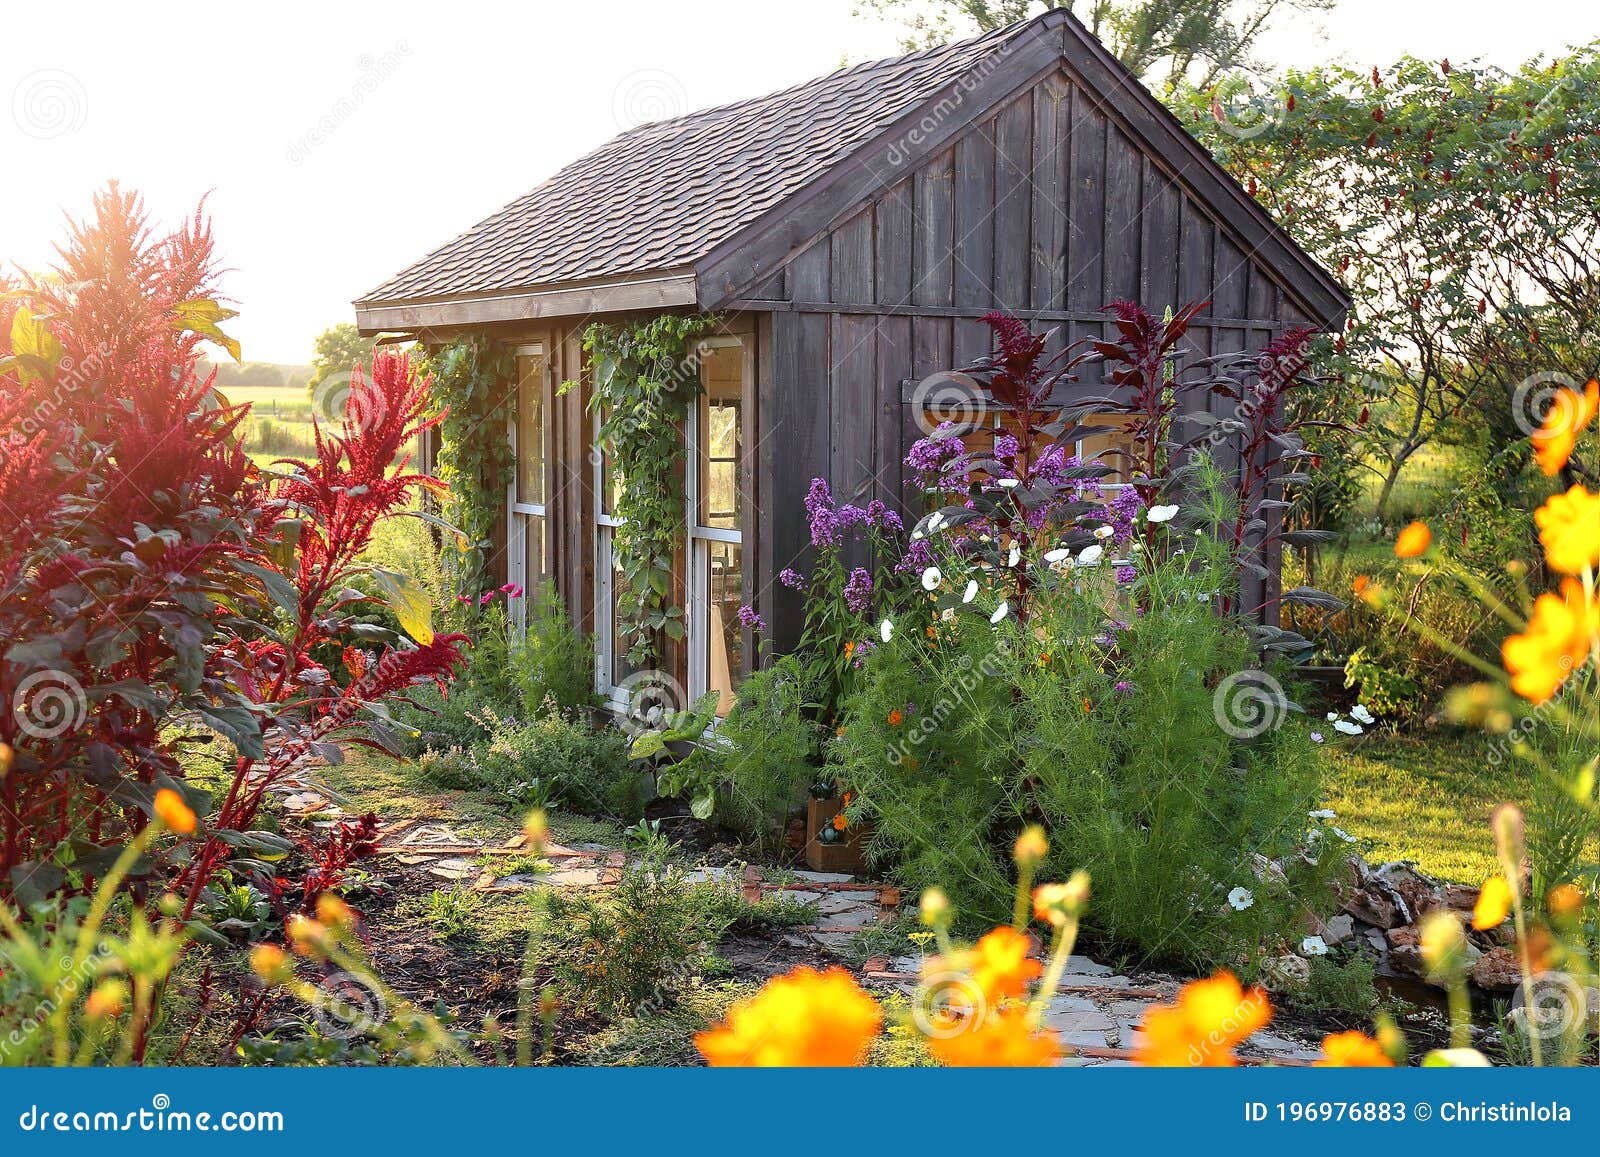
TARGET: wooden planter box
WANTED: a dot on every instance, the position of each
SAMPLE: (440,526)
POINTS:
(849,854)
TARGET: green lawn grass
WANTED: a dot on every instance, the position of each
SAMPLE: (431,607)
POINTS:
(1426,799)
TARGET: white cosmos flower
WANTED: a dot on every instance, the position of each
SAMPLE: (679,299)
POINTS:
(935,521)
(1360,714)
(1344,835)
(1054,556)
(947,615)
(1161,513)
(886,630)
(1323,813)
(1332,715)
(999,612)
(931,578)
(1313,946)
(1316,737)
(971,592)
(1090,555)
(1241,898)
(1015,556)
(1345,727)
(1008,483)
(1104,532)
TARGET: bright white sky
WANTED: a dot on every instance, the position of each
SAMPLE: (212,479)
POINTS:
(458,108)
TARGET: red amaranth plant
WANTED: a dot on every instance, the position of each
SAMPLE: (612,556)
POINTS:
(156,588)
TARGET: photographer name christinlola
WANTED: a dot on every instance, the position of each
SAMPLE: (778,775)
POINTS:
(1483,1111)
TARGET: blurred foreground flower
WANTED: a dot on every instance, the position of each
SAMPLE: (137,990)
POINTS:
(806,1018)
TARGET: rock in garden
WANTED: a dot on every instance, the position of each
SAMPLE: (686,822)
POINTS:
(1372,908)
(1338,929)
(1497,970)
(1461,897)
(1285,973)
(1421,893)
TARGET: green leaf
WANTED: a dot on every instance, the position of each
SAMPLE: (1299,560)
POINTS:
(34,348)
(646,744)
(241,727)
(409,602)
(703,804)
(204,316)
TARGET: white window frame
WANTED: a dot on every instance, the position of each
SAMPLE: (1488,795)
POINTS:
(605,534)
(518,511)
(698,554)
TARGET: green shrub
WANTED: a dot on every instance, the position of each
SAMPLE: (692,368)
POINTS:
(553,660)
(1125,740)
(770,750)
(617,950)
(552,758)
(1341,985)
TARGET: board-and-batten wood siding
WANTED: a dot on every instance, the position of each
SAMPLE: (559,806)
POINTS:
(1048,208)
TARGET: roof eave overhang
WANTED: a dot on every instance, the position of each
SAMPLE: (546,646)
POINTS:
(618,295)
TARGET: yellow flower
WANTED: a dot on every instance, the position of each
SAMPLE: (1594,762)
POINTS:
(803,1018)
(1413,540)
(106,1000)
(270,963)
(1001,1040)
(1559,636)
(1494,904)
(1443,946)
(172,811)
(333,911)
(1569,528)
(1554,442)
(1056,903)
(306,934)
(1000,966)
(1211,1017)
(1353,1050)
(1032,846)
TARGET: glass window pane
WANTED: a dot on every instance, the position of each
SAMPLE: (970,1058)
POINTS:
(620,668)
(530,428)
(534,532)
(721,441)
(723,593)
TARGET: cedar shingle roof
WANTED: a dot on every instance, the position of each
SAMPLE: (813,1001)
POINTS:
(662,195)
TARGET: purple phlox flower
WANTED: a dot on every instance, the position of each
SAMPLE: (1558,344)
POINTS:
(820,514)
(1123,687)
(1006,447)
(749,618)
(918,557)
(858,590)
(791,578)
(863,649)
(1126,574)
(882,517)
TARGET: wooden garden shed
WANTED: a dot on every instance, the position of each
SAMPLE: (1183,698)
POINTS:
(852,231)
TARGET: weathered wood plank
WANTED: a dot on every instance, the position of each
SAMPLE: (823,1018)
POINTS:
(1124,217)
(1052,108)
(797,420)
(809,272)
(935,224)
(1087,209)
(889,445)
(974,226)
(1013,209)
(850,262)
(893,256)
(1158,248)
(1232,273)
(1194,255)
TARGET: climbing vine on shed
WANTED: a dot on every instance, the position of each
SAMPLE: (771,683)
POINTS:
(474,388)
(646,376)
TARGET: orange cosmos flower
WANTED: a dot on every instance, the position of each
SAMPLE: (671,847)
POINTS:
(172,811)
(1494,904)
(1413,541)
(1000,965)
(1211,1017)
(1566,901)
(1001,1040)
(895,717)
(333,911)
(849,649)
(1559,636)
(1569,528)
(1554,442)
(270,963)
(1353,1050)
(840,823)
(803,1018)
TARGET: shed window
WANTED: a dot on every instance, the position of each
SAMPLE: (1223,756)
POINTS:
(717,657)
(527,544)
